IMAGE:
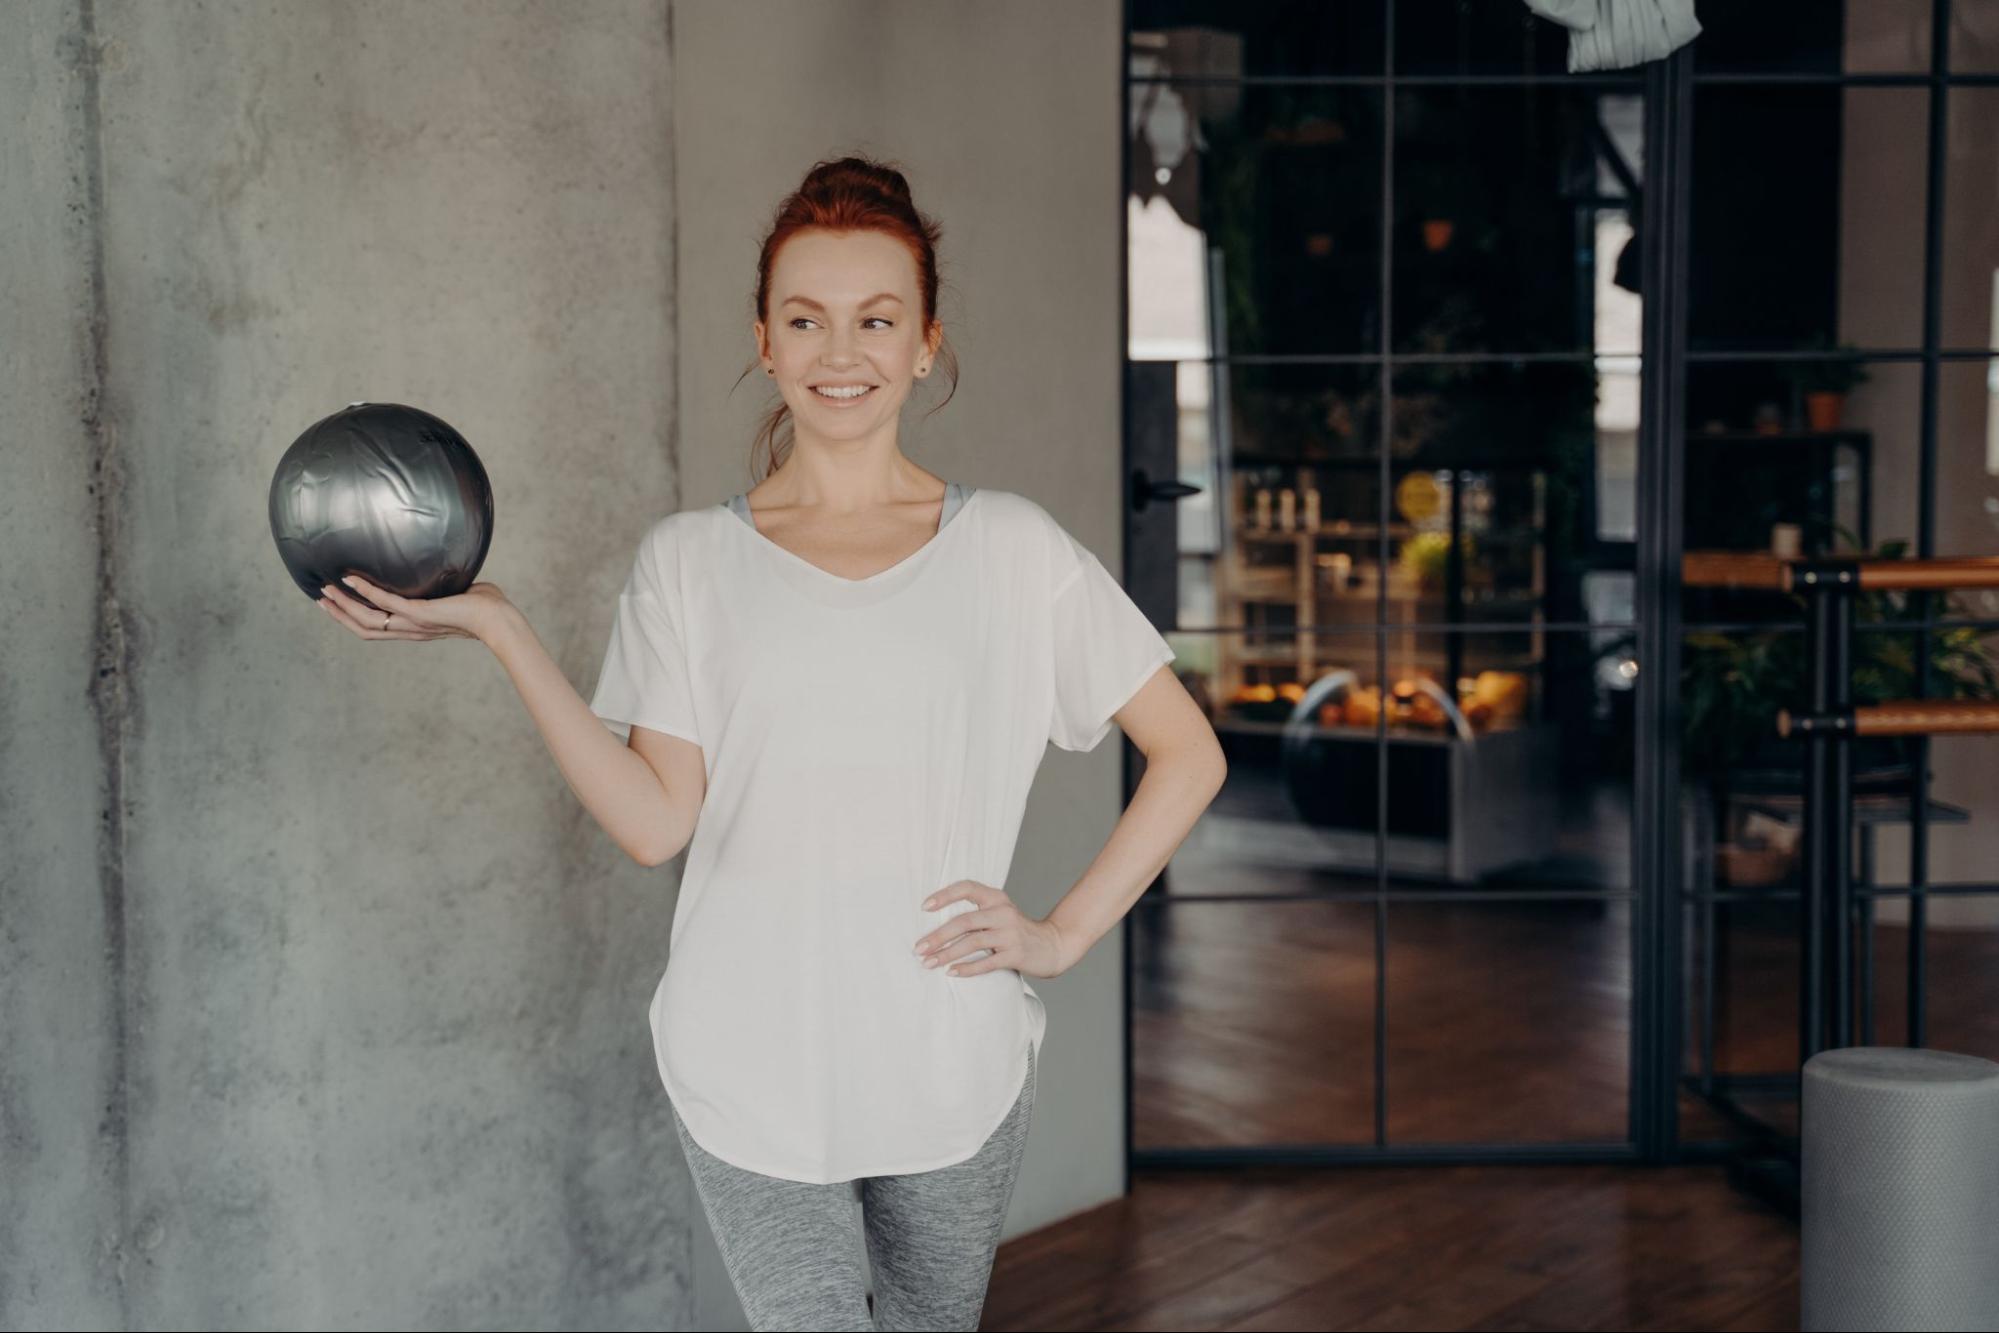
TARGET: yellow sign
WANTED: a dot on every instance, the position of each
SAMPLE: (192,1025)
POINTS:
(1418,497)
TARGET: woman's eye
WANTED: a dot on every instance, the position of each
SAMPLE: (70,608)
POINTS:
(871,319)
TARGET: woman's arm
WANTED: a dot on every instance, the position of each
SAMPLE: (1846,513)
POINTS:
(647,796)
(1184,770)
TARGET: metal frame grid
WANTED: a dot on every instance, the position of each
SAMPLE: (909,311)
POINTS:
(1830,627)
(1658,1000)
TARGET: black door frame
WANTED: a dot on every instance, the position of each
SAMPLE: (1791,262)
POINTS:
(1659,990)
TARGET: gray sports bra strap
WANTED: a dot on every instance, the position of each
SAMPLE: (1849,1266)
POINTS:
(954,496)
(954,500)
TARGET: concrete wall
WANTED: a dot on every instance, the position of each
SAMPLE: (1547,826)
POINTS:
(321,999)
(324,999)
(62,1119)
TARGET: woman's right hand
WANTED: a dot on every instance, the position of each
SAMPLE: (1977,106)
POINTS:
(472,614)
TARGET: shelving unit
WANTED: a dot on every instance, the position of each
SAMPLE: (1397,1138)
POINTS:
(1464,801)
(1817,477)
(1287,582)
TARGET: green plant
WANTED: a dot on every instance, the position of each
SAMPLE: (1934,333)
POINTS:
(1424,555)
(1833,374)
(1732,685)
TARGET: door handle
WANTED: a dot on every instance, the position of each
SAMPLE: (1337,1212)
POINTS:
(1144,490)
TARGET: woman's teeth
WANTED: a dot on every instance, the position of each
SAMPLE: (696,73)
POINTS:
(852,392)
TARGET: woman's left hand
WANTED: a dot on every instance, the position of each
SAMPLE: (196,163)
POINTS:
(1018,941)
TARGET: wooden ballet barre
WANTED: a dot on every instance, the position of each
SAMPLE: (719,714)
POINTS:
(1900,717)
(1760,569)
(1733,569)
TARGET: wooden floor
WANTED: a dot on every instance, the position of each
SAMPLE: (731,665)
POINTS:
(1374,1247)
(1253,1023)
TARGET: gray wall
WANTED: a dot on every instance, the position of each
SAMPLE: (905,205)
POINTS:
(321,999)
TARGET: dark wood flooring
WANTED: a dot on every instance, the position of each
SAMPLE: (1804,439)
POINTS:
(1380,1247)
(1507,1022)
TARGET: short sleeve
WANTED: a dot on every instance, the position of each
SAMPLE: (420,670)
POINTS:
(645,678)
(1104,647)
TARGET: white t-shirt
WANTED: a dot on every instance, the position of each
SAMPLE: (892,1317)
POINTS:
(867,742)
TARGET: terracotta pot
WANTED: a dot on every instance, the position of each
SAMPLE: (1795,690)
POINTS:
(1747,867)
(1822,409)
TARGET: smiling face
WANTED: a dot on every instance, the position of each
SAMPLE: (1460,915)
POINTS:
(845,316)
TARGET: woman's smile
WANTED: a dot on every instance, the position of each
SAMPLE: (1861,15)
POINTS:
(841,396)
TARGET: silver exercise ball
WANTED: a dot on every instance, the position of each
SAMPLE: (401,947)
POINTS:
(385,491)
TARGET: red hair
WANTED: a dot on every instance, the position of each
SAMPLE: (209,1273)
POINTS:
(847,195)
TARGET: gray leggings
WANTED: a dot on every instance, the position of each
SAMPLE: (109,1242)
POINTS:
(794,1257)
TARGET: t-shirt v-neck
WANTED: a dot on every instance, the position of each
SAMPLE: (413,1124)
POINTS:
(866,742)
(825,584)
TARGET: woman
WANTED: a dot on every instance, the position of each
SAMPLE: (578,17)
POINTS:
(833,692)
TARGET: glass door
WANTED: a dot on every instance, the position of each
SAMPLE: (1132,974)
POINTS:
(1385,316)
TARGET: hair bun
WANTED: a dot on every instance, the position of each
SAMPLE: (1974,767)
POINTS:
(852,171)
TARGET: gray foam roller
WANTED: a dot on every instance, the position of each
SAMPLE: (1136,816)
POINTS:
(1899,1190)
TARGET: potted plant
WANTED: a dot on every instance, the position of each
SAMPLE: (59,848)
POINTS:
(1825,384)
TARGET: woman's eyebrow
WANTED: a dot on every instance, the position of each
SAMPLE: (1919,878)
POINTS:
(808,301)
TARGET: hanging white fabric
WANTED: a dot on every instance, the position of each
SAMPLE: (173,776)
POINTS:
(1617,34)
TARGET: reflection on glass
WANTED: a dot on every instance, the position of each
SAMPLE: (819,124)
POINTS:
(1227,39)
(1256,219)
(1508,1022)
(1499,193)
